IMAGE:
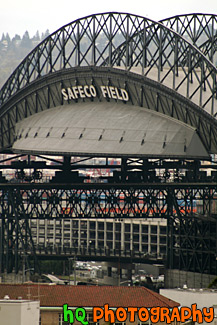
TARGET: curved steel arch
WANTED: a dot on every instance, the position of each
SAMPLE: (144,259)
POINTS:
(198,28)
(132,42)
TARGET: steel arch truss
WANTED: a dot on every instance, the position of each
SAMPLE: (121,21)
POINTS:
(200,29)
(143,92)
(130,42)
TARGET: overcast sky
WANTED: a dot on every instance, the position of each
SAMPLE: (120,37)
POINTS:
(17,16)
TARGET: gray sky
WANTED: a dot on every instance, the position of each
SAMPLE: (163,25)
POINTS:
(17,16)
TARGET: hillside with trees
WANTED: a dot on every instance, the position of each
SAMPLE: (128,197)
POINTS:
(13,51)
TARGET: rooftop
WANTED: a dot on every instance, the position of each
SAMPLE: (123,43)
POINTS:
(86,296)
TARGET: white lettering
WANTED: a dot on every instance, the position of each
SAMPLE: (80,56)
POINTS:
(108,91)
(93,91)
(81,92)
(88,94)
(70,94)
(76,92)
(124,94)
(104,91)
(90,91)
(113,92)
(65,96)
(118,95)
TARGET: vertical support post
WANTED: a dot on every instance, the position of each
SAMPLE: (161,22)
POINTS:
(78,46)
(63,49)
(160,55)
(175,64)
(110,41)
(144,53)
(75,270)
(93,59)
(2,240)
(169,249)
(127,45)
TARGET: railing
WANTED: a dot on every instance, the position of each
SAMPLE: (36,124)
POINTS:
(89,253)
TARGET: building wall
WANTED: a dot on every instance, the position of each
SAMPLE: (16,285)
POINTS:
(177,279)
(49,318)
(19,312)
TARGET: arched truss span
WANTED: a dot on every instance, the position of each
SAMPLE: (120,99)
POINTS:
(126,41)
(45,93)
(198,28)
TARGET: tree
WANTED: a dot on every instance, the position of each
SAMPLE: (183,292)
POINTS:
(26,41)
(45,35)
(3,37)
(16,38)
(36,37)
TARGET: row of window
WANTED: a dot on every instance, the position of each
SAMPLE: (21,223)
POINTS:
(100,236)
(109,226)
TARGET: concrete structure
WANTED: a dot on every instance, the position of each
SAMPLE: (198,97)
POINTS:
(19,312)
(180,278)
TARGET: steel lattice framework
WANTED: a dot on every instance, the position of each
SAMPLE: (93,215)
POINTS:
(168,67)
(131,41)
(200,29)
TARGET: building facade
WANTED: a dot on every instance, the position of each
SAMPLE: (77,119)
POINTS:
(147,236)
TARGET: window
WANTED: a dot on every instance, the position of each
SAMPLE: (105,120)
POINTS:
(83,224)
(145,229)
(135,228)
(127,246)
(136,238)
(127,227)
(90,319)
(163,230)
(136,247)
(101,226)
(75,224)
(145,248)
(154,229)
(92,234)
(61,320)
(163,240)
(127,237)
(109,236)
(100,235)
(154,239)
(153,248)
(92,225)
(145,238)
(109,226)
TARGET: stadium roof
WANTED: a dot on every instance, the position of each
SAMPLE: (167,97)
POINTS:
(107,129)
